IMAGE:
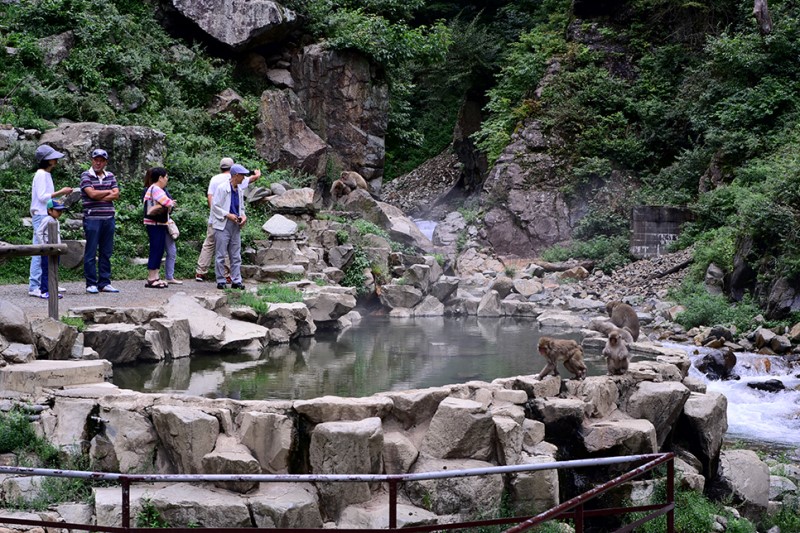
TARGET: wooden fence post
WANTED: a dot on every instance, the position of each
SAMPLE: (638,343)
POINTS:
(52,273)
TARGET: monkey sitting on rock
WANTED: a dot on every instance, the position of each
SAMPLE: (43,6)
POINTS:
(347,183)
(567,351)
(616,352)
(623,316)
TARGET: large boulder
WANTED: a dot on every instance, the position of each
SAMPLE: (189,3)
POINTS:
(393,220)
(660,403)
(460,429)
(400,296)
(332,408)
(346,104)
(131,149)
(448,230)
(620,437)
(183,504)
(54,339)
(537,491)
(292,319)
(128,440)
(743,478)
(294,202)
(239,24)
(329,303)
(282,136)
(472,496)
(119,343)
(414,407)
(231,457)
(14,324)
(270,437)
(187,435)
(701,428)
(286,505)
(346,448)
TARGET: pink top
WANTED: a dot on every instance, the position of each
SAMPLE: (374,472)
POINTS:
(156,193)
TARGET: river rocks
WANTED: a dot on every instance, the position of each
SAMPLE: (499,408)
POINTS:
(745,478)
(702,426)
(118,343)
(230,457)
(239,24)
(400,296)
(331,408)
(489,305)
(660,403)
(191,504)
(269,436)
(346,448)
(770,385)
(620,437)
(444,287)
(469,495)
(460,428)
(286,505)
(187,434)
(14,325)
(54,339)
(415,407)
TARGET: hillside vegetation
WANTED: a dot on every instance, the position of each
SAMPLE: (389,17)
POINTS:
(686,100)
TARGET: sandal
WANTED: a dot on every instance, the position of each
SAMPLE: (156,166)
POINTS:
(155,284)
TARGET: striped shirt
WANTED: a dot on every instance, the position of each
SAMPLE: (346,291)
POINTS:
(157,194)
(95,208)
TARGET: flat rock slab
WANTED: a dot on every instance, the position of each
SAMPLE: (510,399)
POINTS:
(36,375)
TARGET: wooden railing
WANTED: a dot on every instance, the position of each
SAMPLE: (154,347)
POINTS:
(51,251)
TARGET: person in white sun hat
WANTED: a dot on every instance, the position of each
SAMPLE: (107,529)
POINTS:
(42,191)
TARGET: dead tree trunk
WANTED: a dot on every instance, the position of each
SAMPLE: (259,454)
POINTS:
(761,13)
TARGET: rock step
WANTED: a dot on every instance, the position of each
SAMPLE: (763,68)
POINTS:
(36,375)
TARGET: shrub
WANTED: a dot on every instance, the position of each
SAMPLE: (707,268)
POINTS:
(16,432)
(149,517)
(704,309)
(354,272)
(609,252)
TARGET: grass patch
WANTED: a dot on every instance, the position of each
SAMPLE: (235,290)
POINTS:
(75,322)
(264,296)
(704,309)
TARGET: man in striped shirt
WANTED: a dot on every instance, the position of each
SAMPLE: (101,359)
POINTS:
(99,191)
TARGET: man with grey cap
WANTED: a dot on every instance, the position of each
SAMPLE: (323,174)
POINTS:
(99,191)
(42,191)
(228,217)
(208,251)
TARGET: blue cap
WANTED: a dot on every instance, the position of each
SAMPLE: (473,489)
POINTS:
(239,169)
(99,152)
(55,204)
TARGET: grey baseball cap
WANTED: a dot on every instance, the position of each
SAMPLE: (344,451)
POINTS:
(99,152)
(46,153)
(225,163)
(239,169)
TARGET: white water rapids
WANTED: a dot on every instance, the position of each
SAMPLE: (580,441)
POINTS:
(426,227)
(754,415)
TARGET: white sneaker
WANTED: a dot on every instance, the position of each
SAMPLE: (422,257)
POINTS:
(36,293)
(92,289)
(62,289)
(109,288)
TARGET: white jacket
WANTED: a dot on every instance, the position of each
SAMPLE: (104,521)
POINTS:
(221,204)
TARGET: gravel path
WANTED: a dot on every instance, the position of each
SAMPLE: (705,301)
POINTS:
(132,294)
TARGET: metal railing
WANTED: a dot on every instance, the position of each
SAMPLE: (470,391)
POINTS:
(571,509)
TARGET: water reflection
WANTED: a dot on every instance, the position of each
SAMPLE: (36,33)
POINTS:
(375,355)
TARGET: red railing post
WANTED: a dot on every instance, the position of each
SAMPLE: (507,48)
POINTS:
(392,504)
(671,494)
(579,519)
(126,503)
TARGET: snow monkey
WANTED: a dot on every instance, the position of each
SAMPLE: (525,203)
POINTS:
(347,183)
(616,353)
(623,316)
(567,351)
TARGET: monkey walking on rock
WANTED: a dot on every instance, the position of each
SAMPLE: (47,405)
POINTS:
(568,352)
(623,316)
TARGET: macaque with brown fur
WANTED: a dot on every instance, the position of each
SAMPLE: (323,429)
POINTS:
(623,316)
(347,183)
(616,353)
(567,351)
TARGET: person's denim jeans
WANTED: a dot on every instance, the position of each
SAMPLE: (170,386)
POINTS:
(158,241)
(172,254)
(35,277)
(99,240)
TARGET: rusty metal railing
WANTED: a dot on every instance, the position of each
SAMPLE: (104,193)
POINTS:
(571,509)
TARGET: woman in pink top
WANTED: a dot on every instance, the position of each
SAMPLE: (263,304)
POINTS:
(155,180)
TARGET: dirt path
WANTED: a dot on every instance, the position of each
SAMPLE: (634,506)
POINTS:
(132,294)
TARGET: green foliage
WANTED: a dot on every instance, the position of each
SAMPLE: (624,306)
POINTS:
(440,259)
(354,271)
(609,252)
(471,216)
(704,309)
(264,296)
(150,517)
(74,322)
(786,519)
(342,237)
(510,271)
(365,227)
(16,432)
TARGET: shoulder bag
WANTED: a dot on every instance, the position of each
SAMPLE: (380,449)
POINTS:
(155,211)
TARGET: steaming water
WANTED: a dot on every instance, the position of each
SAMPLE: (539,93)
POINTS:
(754,415)
(426,227)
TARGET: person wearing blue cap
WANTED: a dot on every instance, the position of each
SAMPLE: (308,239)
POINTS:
(228,218)
(42,191)
(54,210)
(99,191)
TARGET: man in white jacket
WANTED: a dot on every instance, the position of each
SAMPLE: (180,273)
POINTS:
(228,218)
